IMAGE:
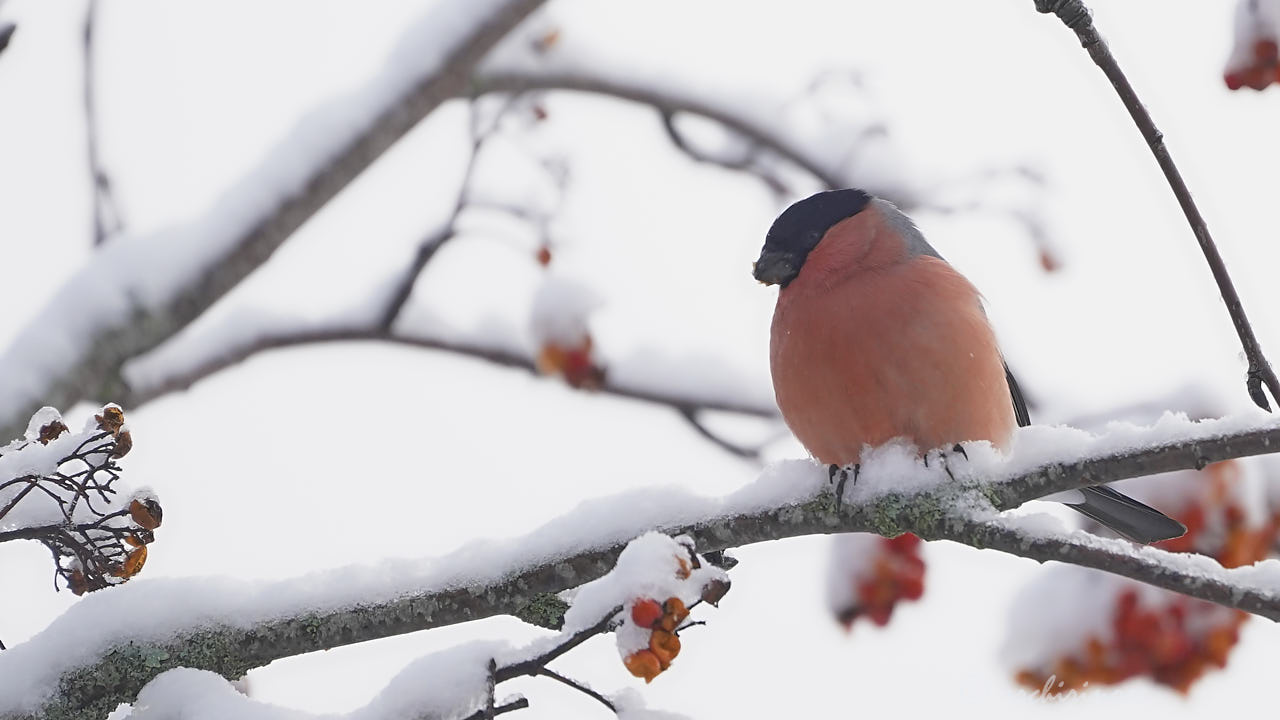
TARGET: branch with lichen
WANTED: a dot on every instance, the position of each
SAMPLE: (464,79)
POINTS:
(963,511)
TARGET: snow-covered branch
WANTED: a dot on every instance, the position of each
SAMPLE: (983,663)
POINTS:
(119,306)
(1252,589)
(75,664)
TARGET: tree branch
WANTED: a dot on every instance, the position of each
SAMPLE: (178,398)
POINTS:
(141,395)
(1179,573)
(106,214)
(667,103)
(508,584)
(37,375)
(433,242)
(1077,17)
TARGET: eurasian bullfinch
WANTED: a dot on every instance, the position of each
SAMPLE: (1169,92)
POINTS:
(875,337)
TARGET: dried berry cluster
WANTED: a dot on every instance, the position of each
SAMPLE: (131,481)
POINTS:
(894,572)
(1171,639)
(98,539)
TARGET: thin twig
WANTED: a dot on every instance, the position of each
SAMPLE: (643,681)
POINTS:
(6,32)
(231,356)
(545,672)
(431,244)
(691,415)
(491,686)
(106,214)
(517,704)
(535,665)
(1077,17)
(504,80)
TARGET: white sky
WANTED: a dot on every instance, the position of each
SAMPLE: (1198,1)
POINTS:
(192,94)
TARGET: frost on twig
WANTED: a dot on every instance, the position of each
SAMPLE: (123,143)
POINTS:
(61,489)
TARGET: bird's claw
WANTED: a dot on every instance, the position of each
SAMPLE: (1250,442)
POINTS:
(843,472)
(942,458)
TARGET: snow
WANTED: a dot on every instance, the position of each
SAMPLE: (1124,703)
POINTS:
(852,555)
(1254,20)
(631,706)
(647,569)
(561,309)
(452,683)
(1262,577)
(29,457)
(144,272)
(1079,340)
(440,686)
(1059,610)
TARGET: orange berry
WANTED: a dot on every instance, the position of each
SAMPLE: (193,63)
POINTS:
(646,613)
(643,664)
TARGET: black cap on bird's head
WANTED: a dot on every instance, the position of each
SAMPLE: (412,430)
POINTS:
(798,230)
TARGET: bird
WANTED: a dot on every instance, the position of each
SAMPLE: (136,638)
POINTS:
(875,337)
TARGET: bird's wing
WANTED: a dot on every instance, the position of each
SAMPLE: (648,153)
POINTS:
(1019,403)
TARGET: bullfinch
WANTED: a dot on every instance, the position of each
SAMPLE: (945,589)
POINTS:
(876,337)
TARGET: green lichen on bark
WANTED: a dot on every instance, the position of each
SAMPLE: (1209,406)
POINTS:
(544,610)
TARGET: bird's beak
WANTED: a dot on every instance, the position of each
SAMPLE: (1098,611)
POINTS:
(776,268)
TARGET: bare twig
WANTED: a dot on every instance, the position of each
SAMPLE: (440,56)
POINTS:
(666,103)
(535,665)
(497,356)
(1077,17)
(517,704)
(6,32)
(491,686)
(544,672)
(691,415)
(106,213)
(432,243)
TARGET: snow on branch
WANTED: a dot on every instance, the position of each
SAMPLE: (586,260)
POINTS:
(136,292)
(230,628)
(462,681)
(60,488)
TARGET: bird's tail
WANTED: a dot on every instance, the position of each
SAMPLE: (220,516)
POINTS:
(1140,523)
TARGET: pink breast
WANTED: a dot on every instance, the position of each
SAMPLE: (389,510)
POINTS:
(899,351)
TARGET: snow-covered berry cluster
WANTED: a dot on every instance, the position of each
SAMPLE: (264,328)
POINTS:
(656,581)
(870,575)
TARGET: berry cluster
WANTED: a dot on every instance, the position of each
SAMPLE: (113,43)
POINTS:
(894,572)
(661,620)
(1171,639)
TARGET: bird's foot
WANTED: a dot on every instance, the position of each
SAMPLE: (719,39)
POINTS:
(943,458)
(840,476)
